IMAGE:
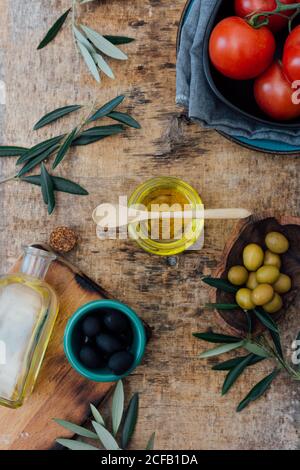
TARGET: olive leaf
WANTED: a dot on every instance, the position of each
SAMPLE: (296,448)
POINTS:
(83,40)
(103,65)
(118,40)
(277,342)
(53,31)
(96,133)
(221,284)
(12,151)
(266,319)
(97,416)
(258,390)
(55,115)
(249,321)
(231,363)
(107,108)
(38,149)
(212,337)
(124,119)
(64,148)
(75,445)
(59,184)
(37,160)
(103,44)
(235,373)
(103,130)
(47,189)
(106,438)
(87,139)
(74,428)
(221,350)
(256,349)
(150,444)
(117,407)
(130,420)
(89,60)
(222,306)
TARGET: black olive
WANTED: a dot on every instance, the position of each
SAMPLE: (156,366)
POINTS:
(89,341)
(126,338)
(108,343)
(120,362)
(91,325)
(90,358)
(116,321)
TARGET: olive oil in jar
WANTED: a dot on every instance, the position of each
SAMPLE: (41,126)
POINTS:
(168,200)
(166,236)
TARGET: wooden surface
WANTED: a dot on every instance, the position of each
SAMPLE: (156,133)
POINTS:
(59,390)
(180,395)
(254,230)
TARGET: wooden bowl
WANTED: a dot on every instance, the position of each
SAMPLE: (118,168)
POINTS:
(254,230)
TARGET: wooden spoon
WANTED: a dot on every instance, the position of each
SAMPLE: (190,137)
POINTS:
(114,216)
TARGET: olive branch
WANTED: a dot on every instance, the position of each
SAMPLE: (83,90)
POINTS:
(60,145)
(90,44)
(266,346)
(123,426)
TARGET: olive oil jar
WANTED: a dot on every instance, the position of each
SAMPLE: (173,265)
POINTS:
(170,236)
(28,310)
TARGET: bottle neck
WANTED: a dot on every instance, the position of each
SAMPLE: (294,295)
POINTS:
(36,262)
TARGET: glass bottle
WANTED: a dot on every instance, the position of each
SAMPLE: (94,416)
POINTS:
(28,309)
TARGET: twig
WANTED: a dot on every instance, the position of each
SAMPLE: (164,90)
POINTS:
(254,20)
(8,178)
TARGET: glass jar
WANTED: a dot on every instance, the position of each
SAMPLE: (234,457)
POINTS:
(171,192)
(28,310)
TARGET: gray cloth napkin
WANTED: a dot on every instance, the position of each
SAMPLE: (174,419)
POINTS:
(194,93)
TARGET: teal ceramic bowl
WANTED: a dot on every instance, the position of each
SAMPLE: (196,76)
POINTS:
(73,331)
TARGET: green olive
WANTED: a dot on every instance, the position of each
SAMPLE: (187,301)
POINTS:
(243,299)
(267,275)
(275,305)
(252,281)
(262,294)
(283,284)
(253,257)
(277,243)
(271,259)
(238,275)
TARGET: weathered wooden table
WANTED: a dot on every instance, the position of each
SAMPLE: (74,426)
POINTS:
(180,395)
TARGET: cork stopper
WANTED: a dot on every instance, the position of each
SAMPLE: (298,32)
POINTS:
(63,239)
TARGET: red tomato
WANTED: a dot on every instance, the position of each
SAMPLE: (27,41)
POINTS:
(291,55)
(240,51)
(273,93)
(244,8)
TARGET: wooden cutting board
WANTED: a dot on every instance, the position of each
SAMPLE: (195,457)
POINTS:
(59,392)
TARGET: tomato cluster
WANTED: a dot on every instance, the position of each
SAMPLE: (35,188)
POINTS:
(241,51)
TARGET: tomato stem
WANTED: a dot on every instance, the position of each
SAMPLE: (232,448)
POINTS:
(261,18)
